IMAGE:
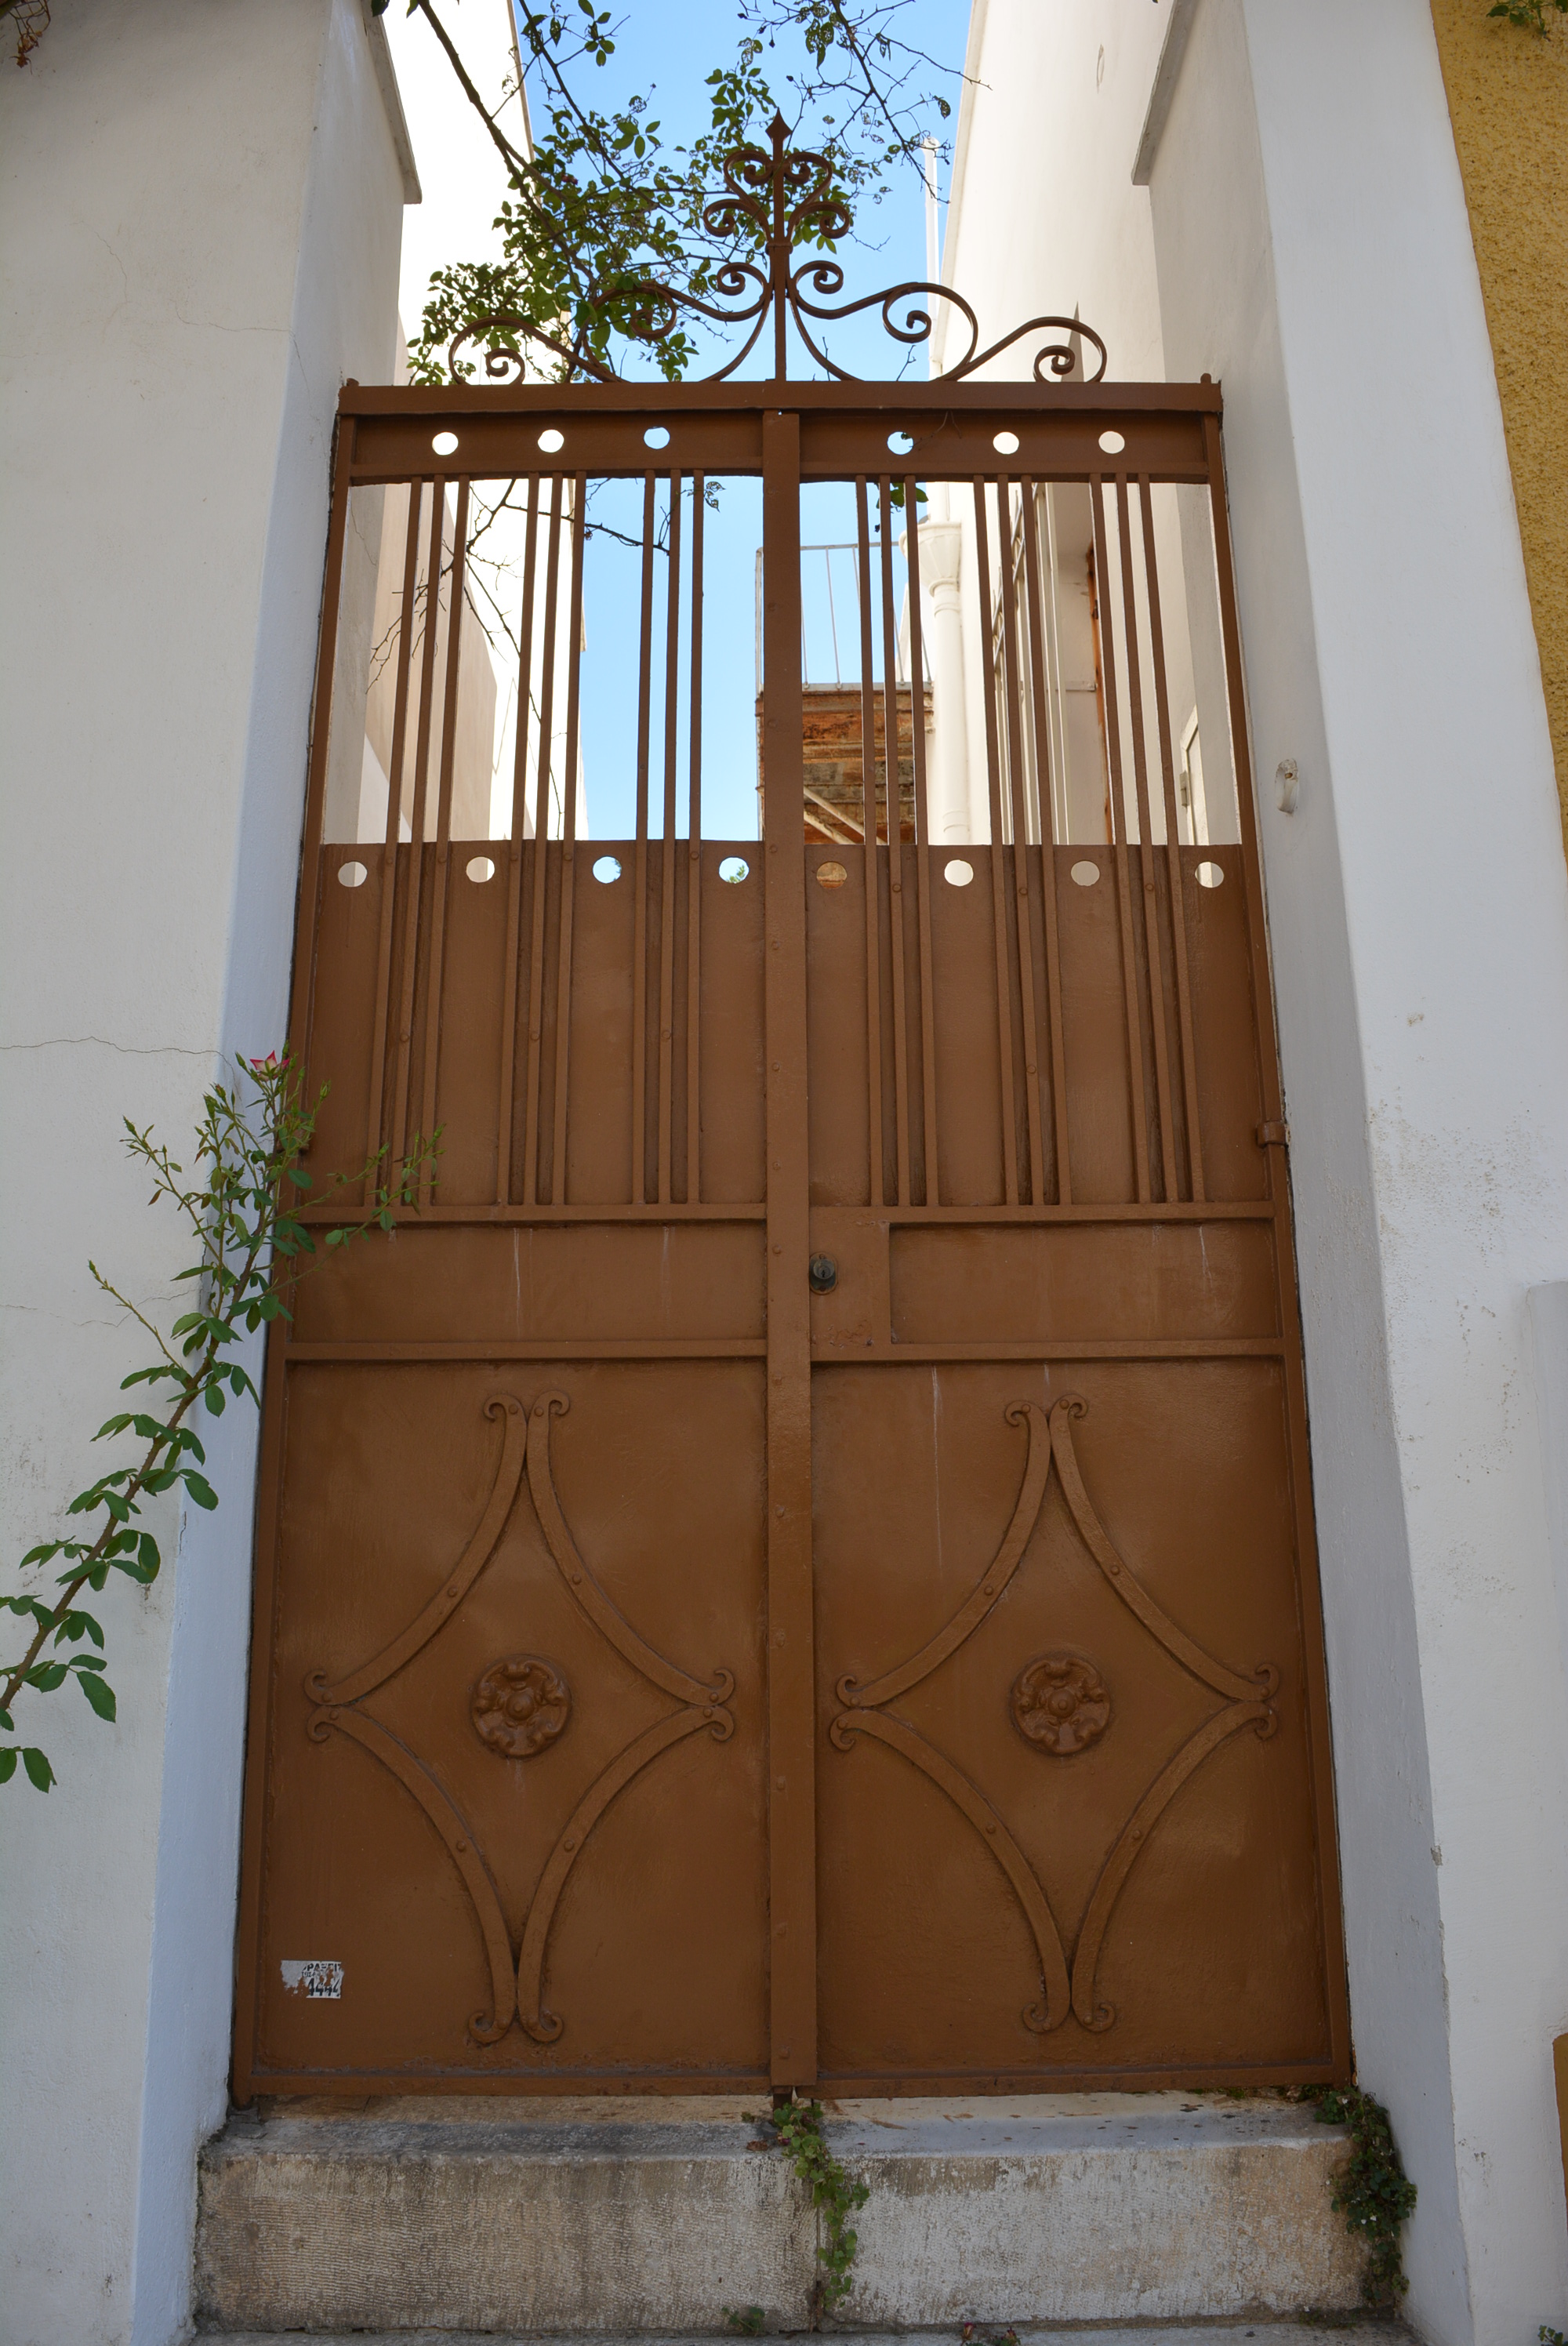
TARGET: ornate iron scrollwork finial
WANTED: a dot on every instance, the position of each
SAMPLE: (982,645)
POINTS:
(773,200)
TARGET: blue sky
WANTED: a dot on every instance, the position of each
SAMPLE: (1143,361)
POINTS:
(665,49)
(672,73)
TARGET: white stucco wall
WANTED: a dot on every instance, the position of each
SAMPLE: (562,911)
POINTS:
(200,220)
(1305,231)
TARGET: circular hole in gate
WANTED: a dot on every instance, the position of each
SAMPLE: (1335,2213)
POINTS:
(900,444)
(831,875)
(958,873)
(445,443)
(734,869)
(1005,443)
(351,875)
(1111,442)
(1085,874)
(606,868)
(552,440)
(655,437)
(481,867)
(1210,876)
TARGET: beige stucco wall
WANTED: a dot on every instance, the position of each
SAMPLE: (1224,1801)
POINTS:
(1508,97)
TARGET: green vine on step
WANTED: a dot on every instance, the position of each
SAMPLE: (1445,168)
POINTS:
(1374,2194)
(799,2126)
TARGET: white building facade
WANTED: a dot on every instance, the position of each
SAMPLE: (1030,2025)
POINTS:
(202,216)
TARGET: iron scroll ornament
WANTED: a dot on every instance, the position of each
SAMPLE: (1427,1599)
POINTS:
(518,1970)
(1067,1972)
(772,201)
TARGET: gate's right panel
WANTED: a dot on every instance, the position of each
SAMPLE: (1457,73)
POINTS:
(1074,1802)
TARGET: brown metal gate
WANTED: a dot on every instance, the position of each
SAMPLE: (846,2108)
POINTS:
(795,1566)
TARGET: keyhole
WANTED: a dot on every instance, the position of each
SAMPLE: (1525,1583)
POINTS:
(824,1274)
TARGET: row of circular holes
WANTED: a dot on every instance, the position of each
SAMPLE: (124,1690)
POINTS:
(735,868)
(1005,443)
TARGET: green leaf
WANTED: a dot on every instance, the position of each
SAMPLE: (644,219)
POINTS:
(100,1696)
(46,1676)
(147,1550)
(7,1763)
(7,1722)
(88,1662)
(214,1400)
(200,1490)
(39,1772)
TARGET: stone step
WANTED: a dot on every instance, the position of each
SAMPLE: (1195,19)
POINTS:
(1369,2331)
(655,2217)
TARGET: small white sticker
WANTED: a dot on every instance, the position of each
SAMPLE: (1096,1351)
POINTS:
(317,1979)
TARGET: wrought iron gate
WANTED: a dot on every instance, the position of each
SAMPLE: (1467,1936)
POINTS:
(794,1566)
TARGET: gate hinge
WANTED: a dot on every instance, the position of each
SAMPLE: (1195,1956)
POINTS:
(1274,1135)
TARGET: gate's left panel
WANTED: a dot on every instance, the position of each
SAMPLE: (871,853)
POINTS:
(505,1798)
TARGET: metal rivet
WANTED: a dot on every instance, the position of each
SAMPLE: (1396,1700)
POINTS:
(462,1848)
(779,1782)
(778,1637)
(569,1842)
(576,1579)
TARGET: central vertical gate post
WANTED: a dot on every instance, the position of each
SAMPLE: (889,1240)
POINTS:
(791,1688)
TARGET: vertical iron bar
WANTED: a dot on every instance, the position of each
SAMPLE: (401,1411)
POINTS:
(410,973)
(1136,1112)
(569,849)
(923,850)
(443,832)
(895,846)
(508,1087)
(868,842)
(1033,591)
(1013,676)
(694,867)
(791,1687)
(666,852)
(389,844)
(1147,845)
(301,1006)
(998,895)
(640,886)
(541,850)
(1173,851)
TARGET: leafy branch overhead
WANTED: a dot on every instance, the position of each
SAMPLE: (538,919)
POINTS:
(243,1206)
(603,204)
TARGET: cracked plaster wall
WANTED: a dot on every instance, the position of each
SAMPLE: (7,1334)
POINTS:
(199,226)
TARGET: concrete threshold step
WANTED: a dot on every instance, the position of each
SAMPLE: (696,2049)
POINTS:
(1369,2330)
(653,2218)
